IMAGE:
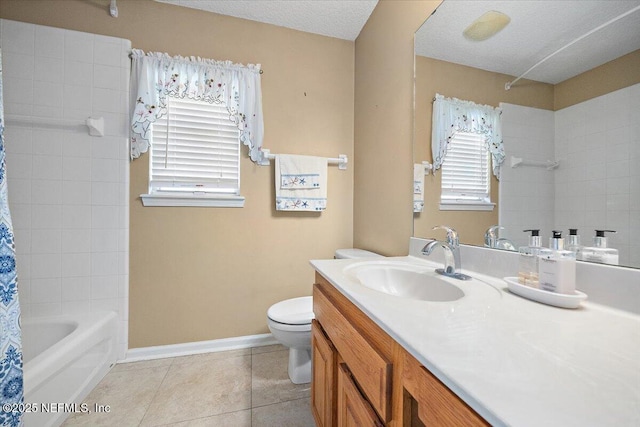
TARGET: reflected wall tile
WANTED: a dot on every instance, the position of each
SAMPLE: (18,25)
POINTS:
(19,37)
(49,42)
(78,46)
(17,65)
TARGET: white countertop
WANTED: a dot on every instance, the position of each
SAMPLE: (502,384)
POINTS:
(516,362)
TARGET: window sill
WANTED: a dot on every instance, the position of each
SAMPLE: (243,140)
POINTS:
(193,200)
(467,206)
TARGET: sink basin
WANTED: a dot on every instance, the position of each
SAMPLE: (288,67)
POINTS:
(404,280)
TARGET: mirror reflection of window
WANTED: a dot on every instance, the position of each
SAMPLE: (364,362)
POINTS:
(465,171)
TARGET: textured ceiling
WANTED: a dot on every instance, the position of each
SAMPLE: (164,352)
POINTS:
(537,29)
(342,19)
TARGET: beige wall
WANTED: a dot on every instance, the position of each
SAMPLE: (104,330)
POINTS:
(471,84)
(383,126)
(617,74)
(204,273)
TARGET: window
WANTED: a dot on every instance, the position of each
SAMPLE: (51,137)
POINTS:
(194,157)
(466,174)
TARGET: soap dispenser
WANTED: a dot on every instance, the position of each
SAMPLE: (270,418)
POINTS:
(599,252)
(573,243)
(528,260)
(557,267)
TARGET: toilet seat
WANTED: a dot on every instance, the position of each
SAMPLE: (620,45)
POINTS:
(295,311)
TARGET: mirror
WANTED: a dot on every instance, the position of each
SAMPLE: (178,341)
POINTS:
(579,107)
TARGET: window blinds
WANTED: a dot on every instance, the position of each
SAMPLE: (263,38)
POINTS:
(465,170)
(195,148)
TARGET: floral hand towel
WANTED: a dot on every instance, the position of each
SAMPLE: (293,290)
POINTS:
(418,187)
(301,183)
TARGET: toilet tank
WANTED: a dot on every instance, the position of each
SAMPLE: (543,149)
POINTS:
(353,253)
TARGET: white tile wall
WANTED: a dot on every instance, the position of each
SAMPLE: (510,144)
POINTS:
(526,192)
(597,185)
(599,141)
(68,191)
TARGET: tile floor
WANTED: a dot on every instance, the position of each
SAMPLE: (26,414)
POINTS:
(239,388)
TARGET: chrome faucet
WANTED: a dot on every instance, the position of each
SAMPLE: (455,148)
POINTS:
(491,236)
(491,239)
(451,249)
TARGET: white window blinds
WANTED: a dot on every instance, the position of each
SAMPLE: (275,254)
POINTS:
(195,149)
(465,170)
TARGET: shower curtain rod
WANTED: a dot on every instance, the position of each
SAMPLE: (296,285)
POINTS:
(508,85)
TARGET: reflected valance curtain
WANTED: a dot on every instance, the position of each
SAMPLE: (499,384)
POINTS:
(154,76)
(451,115)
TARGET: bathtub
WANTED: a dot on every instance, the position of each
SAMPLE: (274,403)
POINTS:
(64,359)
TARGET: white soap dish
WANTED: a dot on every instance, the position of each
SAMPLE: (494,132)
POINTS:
(545,297)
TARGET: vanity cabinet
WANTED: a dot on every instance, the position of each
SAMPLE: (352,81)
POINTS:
(324,356)
(353,408)
(362,377)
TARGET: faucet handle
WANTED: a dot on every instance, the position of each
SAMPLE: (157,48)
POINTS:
(452,235)
(491,235)
(492,230)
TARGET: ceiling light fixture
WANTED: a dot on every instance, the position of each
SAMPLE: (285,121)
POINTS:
(486,26)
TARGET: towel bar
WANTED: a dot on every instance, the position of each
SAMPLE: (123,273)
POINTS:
(341,160)
(549,164)
(95,125)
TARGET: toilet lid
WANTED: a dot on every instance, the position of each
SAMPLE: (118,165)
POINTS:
(295,311)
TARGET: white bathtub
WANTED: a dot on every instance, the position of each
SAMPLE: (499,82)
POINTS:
(64,359)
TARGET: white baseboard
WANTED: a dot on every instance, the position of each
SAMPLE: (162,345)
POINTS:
(198,347)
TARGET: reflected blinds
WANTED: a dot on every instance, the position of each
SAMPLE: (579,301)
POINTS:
(465,169)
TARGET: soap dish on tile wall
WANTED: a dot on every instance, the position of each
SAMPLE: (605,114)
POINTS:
(545,297)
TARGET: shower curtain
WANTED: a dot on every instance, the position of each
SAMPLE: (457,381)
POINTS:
(11,398)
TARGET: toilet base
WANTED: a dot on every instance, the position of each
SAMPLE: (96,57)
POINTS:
(300,365)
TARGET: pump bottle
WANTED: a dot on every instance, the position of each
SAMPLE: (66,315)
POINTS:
(528,260)
(573,243)
(557,267)
(599,252)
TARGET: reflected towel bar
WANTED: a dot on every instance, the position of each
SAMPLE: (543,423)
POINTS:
(428,167)
(549,164)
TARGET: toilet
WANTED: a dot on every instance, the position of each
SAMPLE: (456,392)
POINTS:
(290,323)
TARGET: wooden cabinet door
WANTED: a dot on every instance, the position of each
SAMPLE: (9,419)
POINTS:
(371,368)
(435,403)
(353,409)
(323,356)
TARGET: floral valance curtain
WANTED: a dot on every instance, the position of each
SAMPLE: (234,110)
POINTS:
(451,115)
(154,76)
